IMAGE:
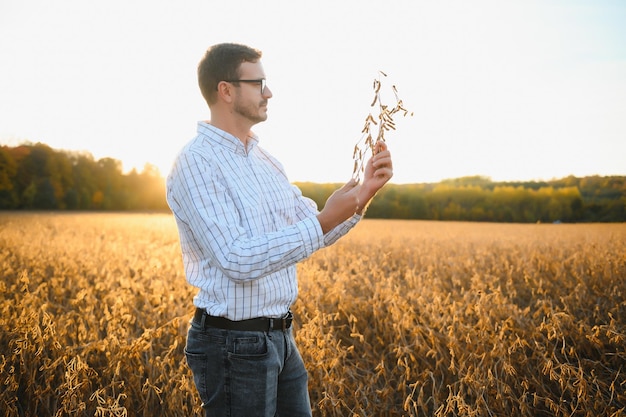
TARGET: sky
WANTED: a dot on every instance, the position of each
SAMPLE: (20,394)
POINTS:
(512,90)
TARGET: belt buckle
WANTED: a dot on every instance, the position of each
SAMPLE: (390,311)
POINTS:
(283,324)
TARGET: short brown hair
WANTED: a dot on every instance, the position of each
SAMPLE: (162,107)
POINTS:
(221,62)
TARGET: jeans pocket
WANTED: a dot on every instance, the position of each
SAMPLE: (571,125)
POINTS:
(249,346)
(204,351)
(198,363)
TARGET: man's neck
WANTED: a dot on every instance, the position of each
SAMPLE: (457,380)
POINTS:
(237,130)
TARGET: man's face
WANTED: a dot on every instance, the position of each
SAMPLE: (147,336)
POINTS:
(250,102)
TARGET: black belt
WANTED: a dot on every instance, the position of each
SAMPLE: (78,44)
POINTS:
(261,324)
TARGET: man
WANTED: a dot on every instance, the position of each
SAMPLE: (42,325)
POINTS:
(243,227)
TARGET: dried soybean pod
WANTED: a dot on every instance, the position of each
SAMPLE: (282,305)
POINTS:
(375,100)
(385,116)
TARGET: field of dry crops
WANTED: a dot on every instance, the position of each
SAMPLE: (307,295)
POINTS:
(398,319)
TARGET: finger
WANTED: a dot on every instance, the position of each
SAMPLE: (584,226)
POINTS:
(380,146)
(384,172)
(382,161)
(385,154)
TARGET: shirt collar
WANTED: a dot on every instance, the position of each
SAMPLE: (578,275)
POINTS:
(225,139)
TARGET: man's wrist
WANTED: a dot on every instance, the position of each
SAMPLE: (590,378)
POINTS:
(364,201)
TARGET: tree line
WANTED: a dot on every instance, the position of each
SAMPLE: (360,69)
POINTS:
(37,177)
(477,198)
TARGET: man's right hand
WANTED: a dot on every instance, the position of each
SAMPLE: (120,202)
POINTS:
(340,206)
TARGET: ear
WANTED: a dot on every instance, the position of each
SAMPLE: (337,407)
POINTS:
(225,91)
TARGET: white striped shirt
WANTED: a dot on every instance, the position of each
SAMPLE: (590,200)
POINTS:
(242,226)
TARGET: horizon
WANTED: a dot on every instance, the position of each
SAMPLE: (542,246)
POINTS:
(471,176)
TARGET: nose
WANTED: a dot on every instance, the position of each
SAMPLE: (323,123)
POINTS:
(267,92)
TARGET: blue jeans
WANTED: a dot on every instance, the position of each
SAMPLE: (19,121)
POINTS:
(247,373)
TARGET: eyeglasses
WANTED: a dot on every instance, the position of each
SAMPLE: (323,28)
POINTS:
(260,81)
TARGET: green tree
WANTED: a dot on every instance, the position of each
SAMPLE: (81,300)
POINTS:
(84,174)
(45,195)
(8,170)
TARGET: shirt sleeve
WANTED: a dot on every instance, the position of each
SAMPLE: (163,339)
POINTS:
(209,224)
